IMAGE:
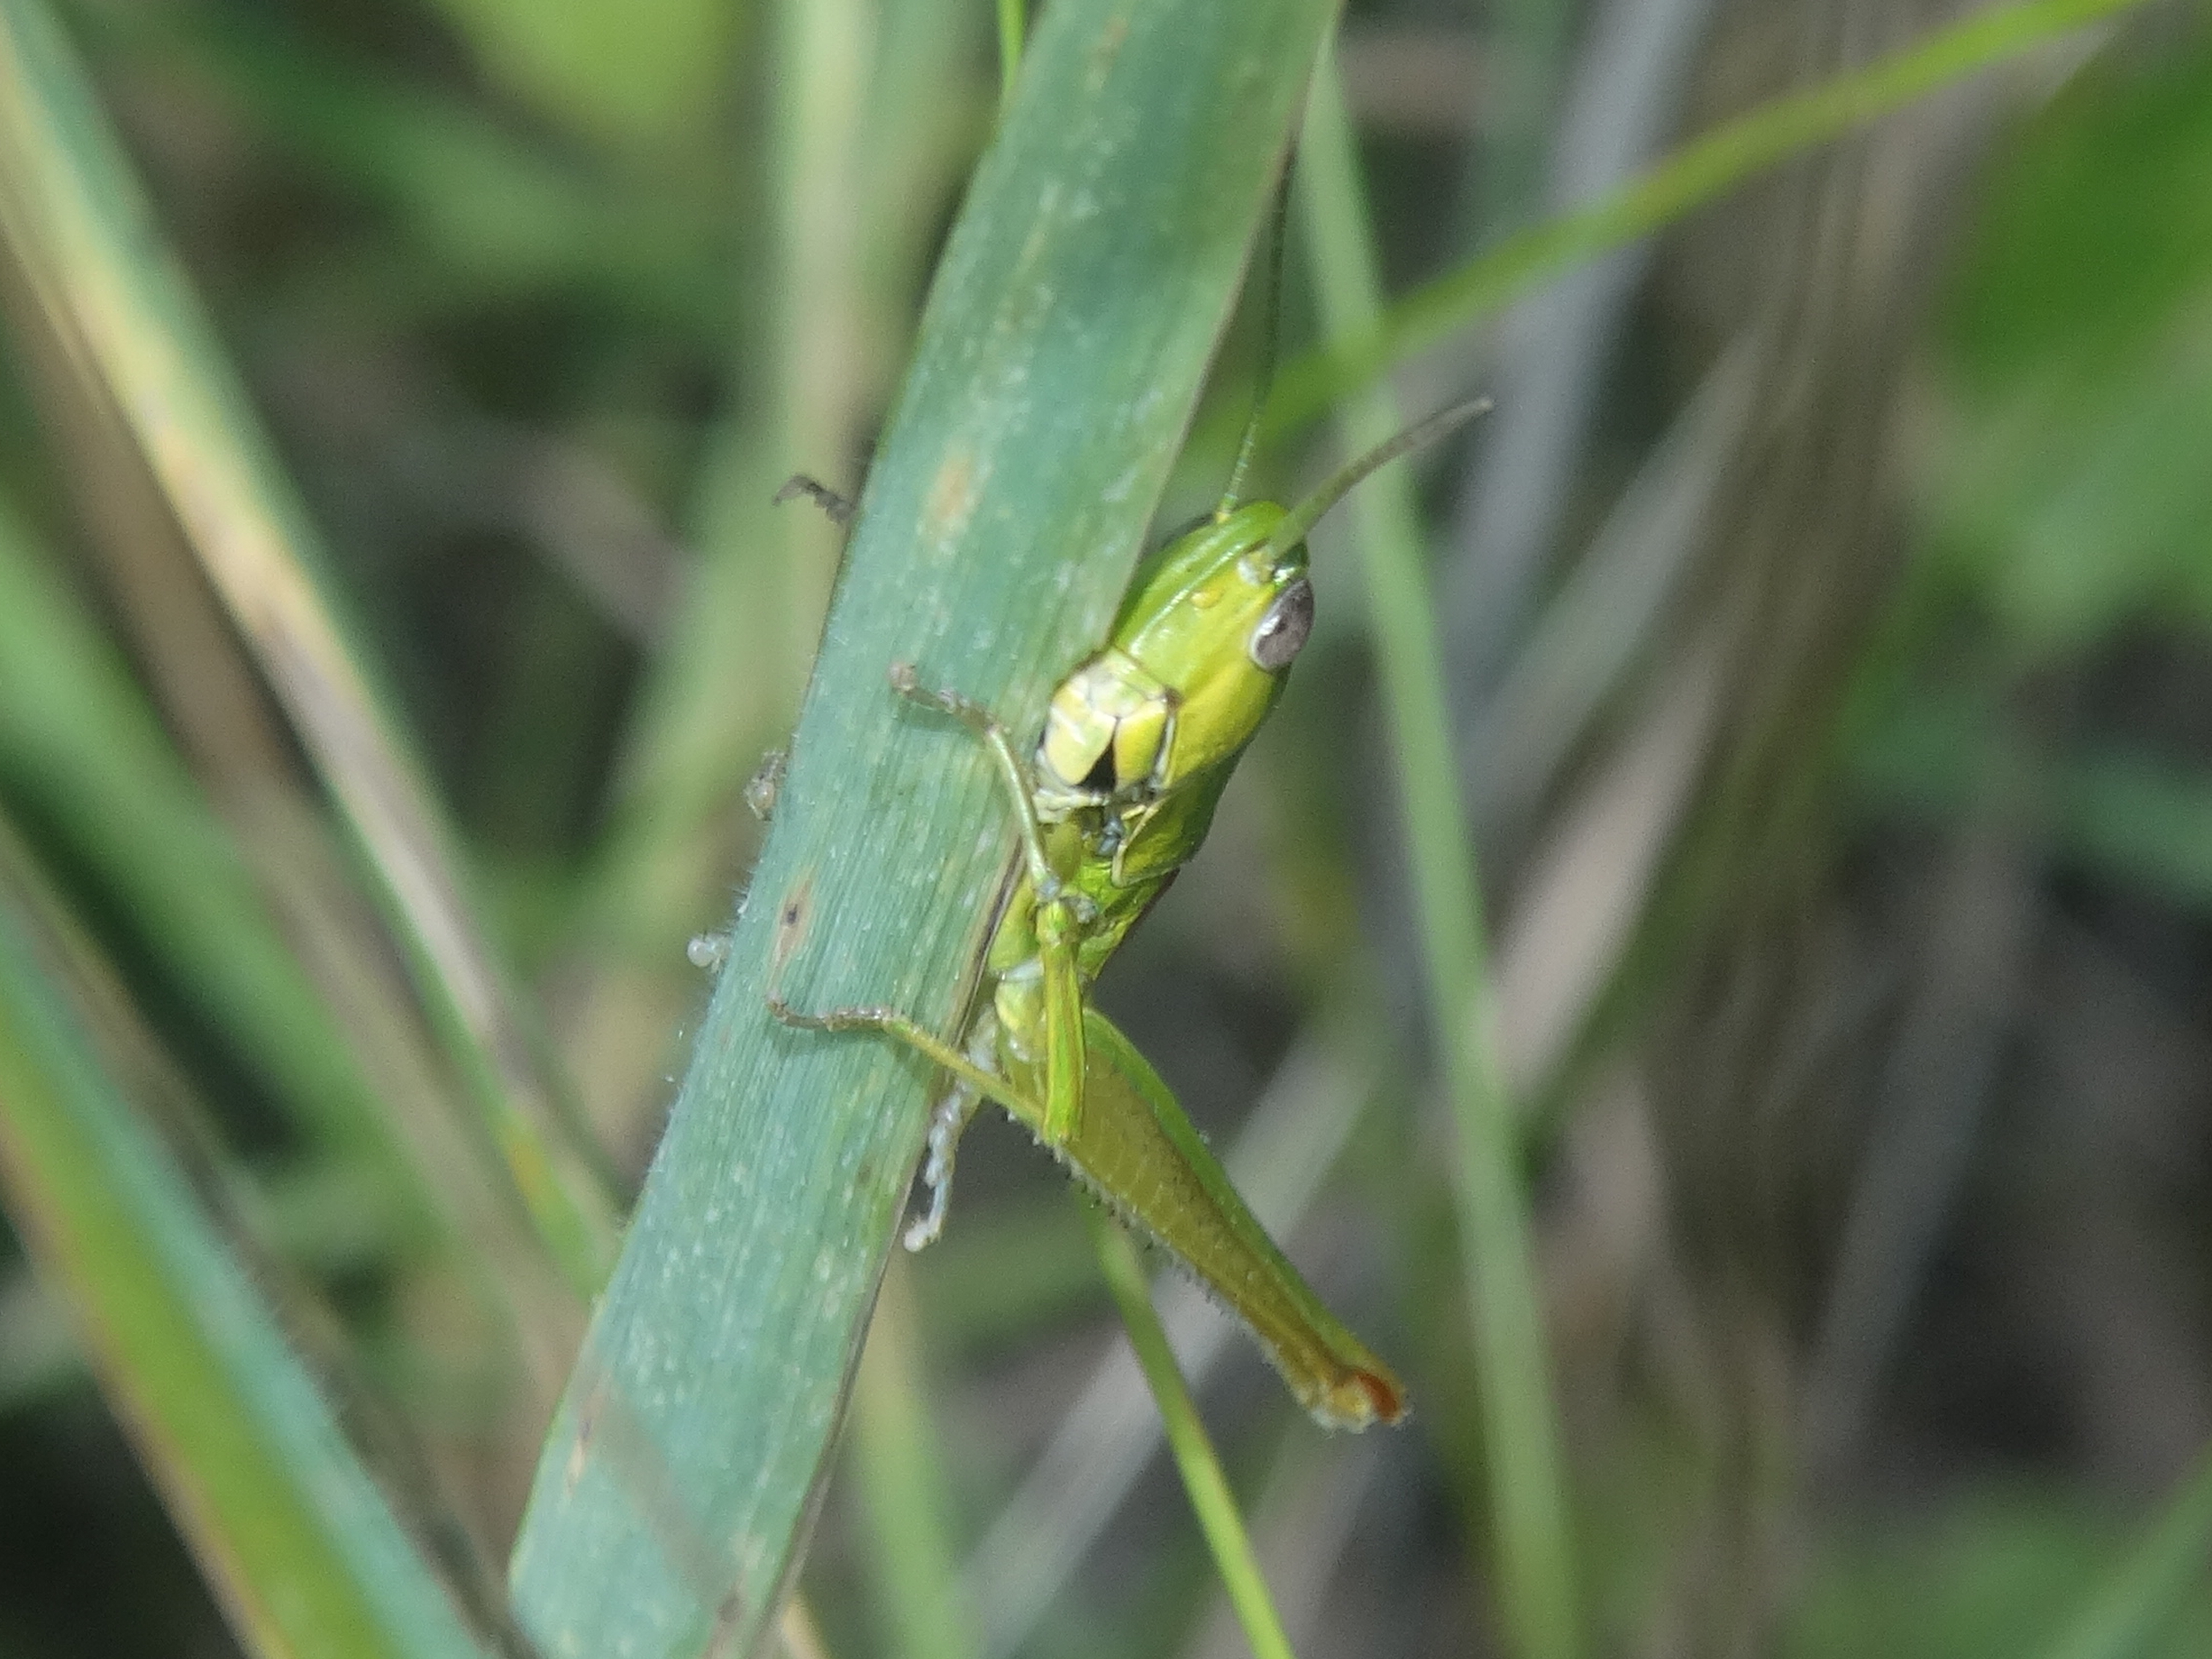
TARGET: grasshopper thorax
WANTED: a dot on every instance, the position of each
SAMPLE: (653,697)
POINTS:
(1212,622)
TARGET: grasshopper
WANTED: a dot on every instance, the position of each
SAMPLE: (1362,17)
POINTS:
(1114,798)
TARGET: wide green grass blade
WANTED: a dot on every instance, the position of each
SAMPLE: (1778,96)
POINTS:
(1067,332)
(289,1527)
(1521,1441)
(1698,172)
(77,228)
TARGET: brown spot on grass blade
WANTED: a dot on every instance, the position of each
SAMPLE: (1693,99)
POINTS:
(792,917)
(1107,50)
(952,496)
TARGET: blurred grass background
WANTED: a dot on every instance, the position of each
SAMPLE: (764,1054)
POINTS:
(1827,615)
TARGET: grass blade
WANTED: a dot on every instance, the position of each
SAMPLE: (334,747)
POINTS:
(902,1477)
(87,760)
(289,1527)
(74,221)
(1210,1496)
(2165,1571)
(92,762)
(1010,48)
(1699,171)
(1092,266)
(1527,1493)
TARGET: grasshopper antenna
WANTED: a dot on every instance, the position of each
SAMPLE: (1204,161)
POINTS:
(1308,513)
(1271,326)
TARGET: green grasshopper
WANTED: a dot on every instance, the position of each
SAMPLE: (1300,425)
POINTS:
(1116,796)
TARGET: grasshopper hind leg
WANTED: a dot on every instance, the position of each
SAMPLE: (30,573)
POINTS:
(973,1081)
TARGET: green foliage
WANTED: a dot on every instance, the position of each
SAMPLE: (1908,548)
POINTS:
(541,302)
(2003,1576)
(2077,498)
(613,68)
(244,1438)
(2068,493)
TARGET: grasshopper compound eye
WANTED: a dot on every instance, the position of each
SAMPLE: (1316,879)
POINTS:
(1281,635)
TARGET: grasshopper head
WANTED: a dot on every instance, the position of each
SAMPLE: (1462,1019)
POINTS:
(1212,623)
(1196,659)
(1217,616)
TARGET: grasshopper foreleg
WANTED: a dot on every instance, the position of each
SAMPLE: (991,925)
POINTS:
(1012,770)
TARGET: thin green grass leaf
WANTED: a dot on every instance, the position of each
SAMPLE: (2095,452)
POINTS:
(85,757)
(83,751)
(927,113)
(289,1527)
(724,685)
(1010,49)
(75,224)
(1210,1499)
(1696,173)
(1083,289)
(1082,1478)
(2163,1573)
(903,1485)
(1527,1489)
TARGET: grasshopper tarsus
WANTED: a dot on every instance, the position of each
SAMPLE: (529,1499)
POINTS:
(837,508)
(947,1123)
(967,710)
(767,780)
(834,1019)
